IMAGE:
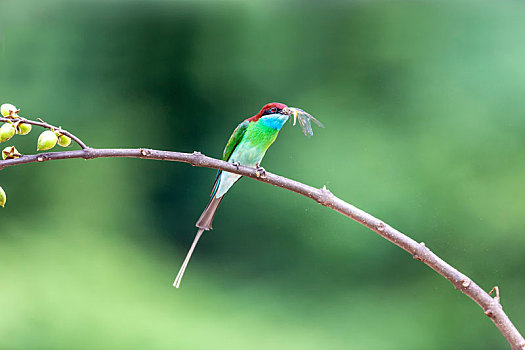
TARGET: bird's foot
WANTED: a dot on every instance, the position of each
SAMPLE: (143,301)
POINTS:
(259,171)
(237,165)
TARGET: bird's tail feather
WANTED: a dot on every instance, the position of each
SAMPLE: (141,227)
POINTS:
(178,279)
(204,223)
(208,214)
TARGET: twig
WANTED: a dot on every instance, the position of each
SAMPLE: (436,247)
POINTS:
(45,125)
(496,297)
(491,306)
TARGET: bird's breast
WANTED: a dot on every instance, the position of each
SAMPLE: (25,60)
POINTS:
(248,154)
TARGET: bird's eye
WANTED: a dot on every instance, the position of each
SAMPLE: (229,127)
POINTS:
(273,109)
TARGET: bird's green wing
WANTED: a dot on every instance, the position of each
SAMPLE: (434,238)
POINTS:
(234,140)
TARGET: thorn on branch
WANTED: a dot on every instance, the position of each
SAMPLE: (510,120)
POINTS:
(496,297)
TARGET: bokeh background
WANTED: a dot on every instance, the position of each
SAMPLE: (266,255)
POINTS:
(423,103)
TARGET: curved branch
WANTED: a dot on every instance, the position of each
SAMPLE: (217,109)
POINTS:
(45,125)
(491,306)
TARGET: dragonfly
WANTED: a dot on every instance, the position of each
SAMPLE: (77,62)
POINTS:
(305,120)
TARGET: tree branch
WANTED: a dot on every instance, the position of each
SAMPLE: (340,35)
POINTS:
(491,306)
(43,124)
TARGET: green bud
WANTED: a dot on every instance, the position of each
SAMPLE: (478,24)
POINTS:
(3,197)
(23,129)
(10,153)
(46,140)
(7,131)
(6,109)
(64,141)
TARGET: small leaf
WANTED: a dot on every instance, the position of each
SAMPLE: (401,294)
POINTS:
(47,140)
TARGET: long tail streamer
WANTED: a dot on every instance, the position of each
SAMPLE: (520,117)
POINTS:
(178,279)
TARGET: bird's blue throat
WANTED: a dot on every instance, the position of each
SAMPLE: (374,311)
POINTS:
(274,121)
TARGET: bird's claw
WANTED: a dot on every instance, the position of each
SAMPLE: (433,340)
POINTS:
(260,171)
(237,165)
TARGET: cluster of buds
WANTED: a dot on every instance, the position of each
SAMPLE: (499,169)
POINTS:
(14,125)
(9,129)
(49,138)
(7,153)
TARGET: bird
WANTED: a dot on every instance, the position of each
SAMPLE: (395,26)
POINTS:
(246,146)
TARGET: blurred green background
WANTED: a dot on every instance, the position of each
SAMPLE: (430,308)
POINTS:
(423,104)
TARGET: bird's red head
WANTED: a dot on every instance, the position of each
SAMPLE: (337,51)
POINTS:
(270,108)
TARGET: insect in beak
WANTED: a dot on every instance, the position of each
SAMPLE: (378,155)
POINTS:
(304,118)
(292,111)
